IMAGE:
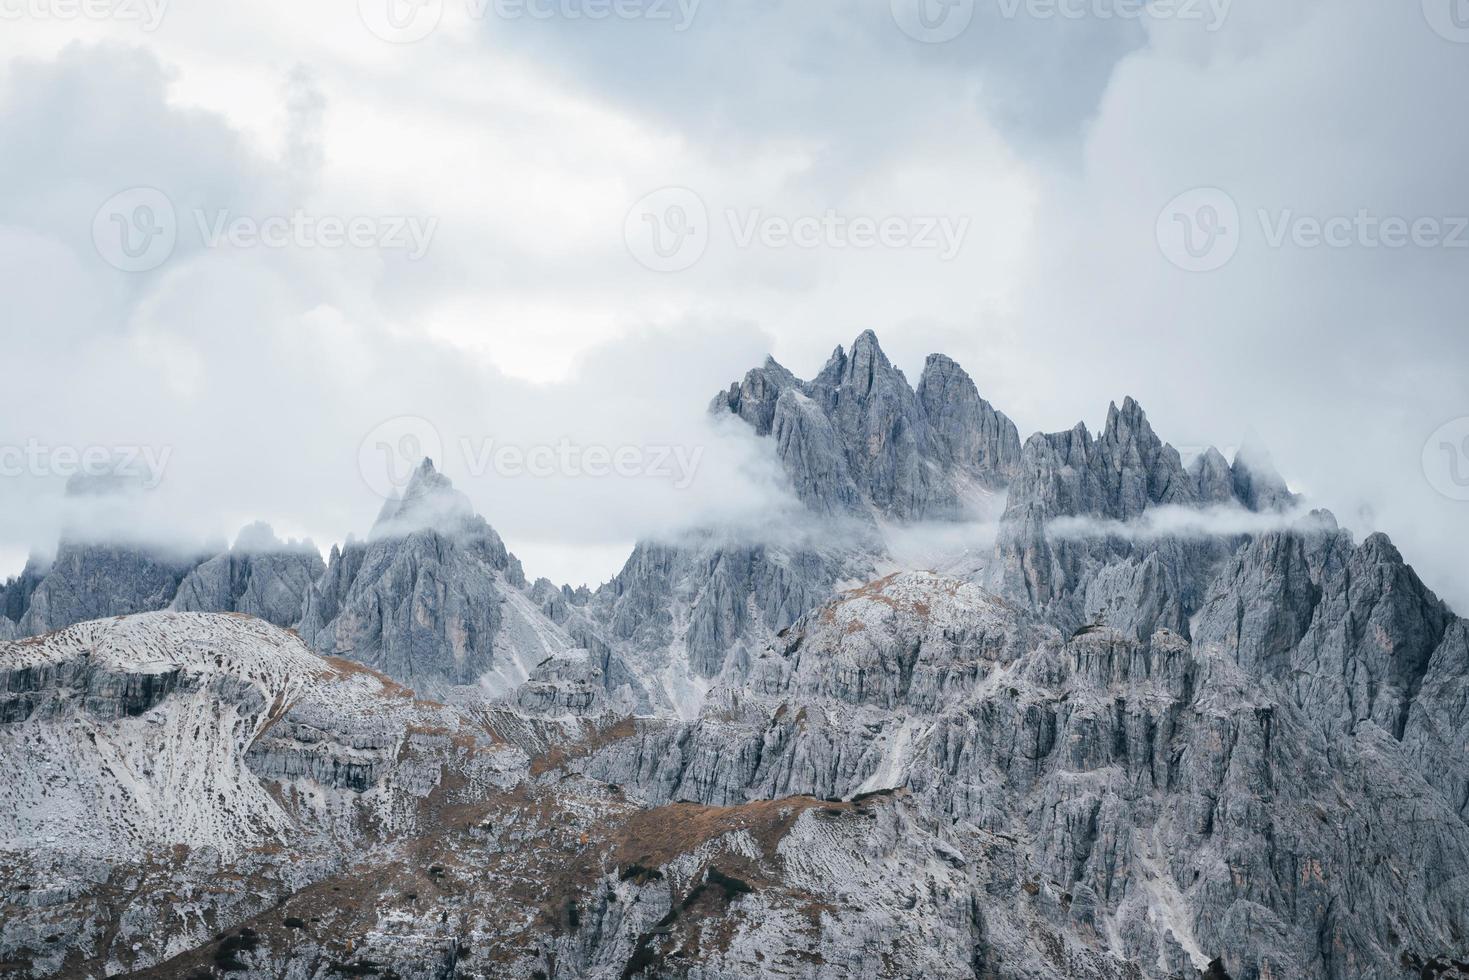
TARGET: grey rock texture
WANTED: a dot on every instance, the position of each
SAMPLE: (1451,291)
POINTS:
(15,595)
(968,435)
(1118,475)
(1257,484)
(703,601)
(1370,642)
(93,575)
(859,440)
(1436,736)
(858,444)
(1164,798)
(1262,604)
(425,599)
(1170,728)
(91,581)
(1214,478)
(260,576)
(170,774)
(1069,543)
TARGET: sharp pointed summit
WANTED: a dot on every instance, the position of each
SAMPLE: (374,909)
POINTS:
(858,438)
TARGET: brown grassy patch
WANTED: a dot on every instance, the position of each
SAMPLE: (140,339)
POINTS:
(655,837)
(560,755)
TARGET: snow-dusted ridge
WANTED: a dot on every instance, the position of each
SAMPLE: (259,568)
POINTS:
(132,735)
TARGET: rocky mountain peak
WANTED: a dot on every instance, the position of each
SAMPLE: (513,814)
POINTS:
(1129,425)
(754,399)
(965,430)
(260,576)
(259,538)
(1118,475)
(867,367)
(1257,483)
(429,501)
(859,439)
(1213,477)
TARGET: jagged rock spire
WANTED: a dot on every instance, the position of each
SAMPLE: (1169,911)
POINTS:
(1257,483)
(892,451)
(1117,476)
(260,576)
(429,500)
(1212,477)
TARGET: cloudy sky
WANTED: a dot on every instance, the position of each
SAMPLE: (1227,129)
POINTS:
(274,247)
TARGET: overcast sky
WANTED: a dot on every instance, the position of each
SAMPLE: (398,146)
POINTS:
(516,223)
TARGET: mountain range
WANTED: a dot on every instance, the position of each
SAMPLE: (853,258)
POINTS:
(1169,722)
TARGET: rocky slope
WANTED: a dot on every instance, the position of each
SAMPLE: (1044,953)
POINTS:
(260,576)
(1171,725)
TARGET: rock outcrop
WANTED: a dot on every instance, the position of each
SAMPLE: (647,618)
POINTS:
(1183,803)
(1074,542)
(689,607)
(260,576)
(859,440)
(89,581)
(427,597)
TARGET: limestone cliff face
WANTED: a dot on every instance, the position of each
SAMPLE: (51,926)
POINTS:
(90,581)
(1185,801)
(698,603)
(1070,541)
(424,598)
(859,440)
(1166,726)
(260,576)
(859,445)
